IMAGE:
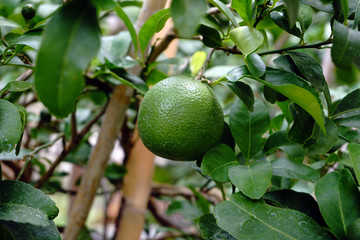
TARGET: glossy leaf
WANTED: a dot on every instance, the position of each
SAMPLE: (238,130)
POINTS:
(10,126)
(225,10)
(298,91)
(130,27)
(8,23)
(187,16)
(320,5)
(255,64)
(25,231)
(292,9)
(74,29)
(281,19)
(217,161)
(341,9)
(287,198)
(237,73)
(16,86)
(338,197)
(287,64)
(21,202)
(244,92)
(153,25)
(244,9)
(247,39)
(303,124)
(320,143)
(252,180)
(113,48)
(248,127)
(242,217)
(210,230)
(276,140)
(346,46)
(354,150)
(349,106)
(290,169)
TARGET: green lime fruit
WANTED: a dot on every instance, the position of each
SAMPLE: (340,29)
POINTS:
(28,12)
(353,230)
(180,119)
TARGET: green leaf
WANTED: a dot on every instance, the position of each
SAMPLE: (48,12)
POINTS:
(287,198)
(354,150)
(187,15)
(325,6)
(292,9)
(338,197)
(244,9)
(153,25)
(287,64)
(346,46)
(303,124)
(255,64)
(290,169)
(248,127)
(297,90)
(357,16)
(16,86)
(8,23)
(210,36)
(10,126)
(310,69)
(130,27)
(210,230)
(217,161)
(25,231)
(71,39)
(237,73)
(244,92)
(320,143)
(242,217)
(197,61)
(247,39)
(276,140)
(225,10)
(31,39)
(281,19)
(252,180)
(341,8)
(349,106)
(114,48)
(305,16)
(21,202)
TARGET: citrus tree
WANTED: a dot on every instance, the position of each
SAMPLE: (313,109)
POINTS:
(260,103)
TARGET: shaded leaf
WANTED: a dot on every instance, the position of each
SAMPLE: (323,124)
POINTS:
(154,24)
(292,7)
(346,46)
(320,5)
(210,230)
(354,150)
(71,39)
(290,169)
(252,180)
(276,140)
(16,86)
(349,106)
(242,217)
(217,161)
(281,19)
(303,124)
(305,15)
(187,16)
(248,127)
(244,92)
(320,143)
(287,198)
(247,39)
(237,73)
(10,126)
(114,47)
(25,231)
(31,39)
(286,63)
(210,36)
(338,198)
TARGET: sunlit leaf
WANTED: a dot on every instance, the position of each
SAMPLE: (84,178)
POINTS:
(247,39)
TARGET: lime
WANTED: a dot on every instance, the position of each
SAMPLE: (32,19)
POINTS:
(180,119)
(353,230)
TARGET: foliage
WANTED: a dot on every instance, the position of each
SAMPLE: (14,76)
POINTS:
(289,128)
